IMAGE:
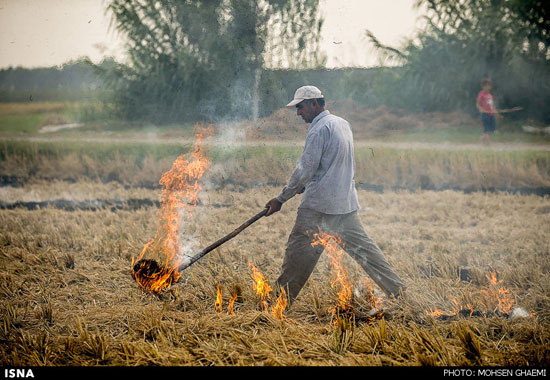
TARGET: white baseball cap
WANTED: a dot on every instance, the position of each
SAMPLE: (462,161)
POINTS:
(305,92)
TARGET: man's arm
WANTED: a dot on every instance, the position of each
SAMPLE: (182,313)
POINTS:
(305,169)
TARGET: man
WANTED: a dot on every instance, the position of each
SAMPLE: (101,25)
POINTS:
(325,175)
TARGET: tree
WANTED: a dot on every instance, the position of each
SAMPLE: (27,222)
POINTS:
(202,59)
(466,40)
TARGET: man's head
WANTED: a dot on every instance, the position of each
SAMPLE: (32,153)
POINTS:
(486,84)
(309,102)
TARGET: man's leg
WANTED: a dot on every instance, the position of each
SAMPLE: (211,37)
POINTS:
(365,251)
(300,257)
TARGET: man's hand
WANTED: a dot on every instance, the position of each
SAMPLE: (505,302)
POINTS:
(274,206)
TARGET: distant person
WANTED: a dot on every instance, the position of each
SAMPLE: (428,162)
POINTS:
(486,106)
(325,175)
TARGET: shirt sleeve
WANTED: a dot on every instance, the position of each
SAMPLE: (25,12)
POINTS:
(305,168)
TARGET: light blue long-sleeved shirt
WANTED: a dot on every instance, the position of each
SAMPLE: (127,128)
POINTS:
(326,168)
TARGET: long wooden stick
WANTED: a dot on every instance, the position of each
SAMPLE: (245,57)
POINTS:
(219,242)
(510,110)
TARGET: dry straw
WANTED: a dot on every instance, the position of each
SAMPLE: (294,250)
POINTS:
(68,298)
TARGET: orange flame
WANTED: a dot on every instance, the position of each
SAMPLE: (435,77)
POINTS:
(339,283)
(499,293)
(373,300)
(261,287)
(219,298)
(280,305)
(495,298)
(435,313)
(232,300)
(181,187)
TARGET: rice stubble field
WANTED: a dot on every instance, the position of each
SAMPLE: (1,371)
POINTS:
(465,227)
(68,297)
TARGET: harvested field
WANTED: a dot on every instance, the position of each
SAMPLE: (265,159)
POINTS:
(379,167)
(68,297)
(463,227)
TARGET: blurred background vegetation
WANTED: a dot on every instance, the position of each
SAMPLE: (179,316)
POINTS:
(230,60)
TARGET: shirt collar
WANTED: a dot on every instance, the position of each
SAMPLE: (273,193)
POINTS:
(319,117)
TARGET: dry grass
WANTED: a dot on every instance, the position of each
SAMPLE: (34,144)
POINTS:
(465,170)
(382,167)
(40,190)
(32,107)
(67,297)
(365,122)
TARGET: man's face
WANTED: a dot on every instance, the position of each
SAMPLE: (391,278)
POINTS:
(307,109)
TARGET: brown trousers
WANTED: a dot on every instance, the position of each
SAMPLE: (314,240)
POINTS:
(300,257)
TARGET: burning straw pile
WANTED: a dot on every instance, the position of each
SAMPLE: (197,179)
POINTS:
(496,300)
(181,187)
(342,310)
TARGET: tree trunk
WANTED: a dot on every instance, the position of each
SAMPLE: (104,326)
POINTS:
(256,93)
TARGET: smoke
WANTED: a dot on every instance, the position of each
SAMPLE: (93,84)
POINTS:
(229,135)
(188,247)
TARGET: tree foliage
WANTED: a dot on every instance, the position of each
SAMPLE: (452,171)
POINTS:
(74,80)
(464,41)
(201,59)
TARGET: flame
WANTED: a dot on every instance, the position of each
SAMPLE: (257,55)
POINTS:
(280,305)
(232,300)
(495,298)
(219,298)
(373,300)
(339,283)
(458,308)
(181,187)
(261,287)
(499,293)
(151,277)
(435,313)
